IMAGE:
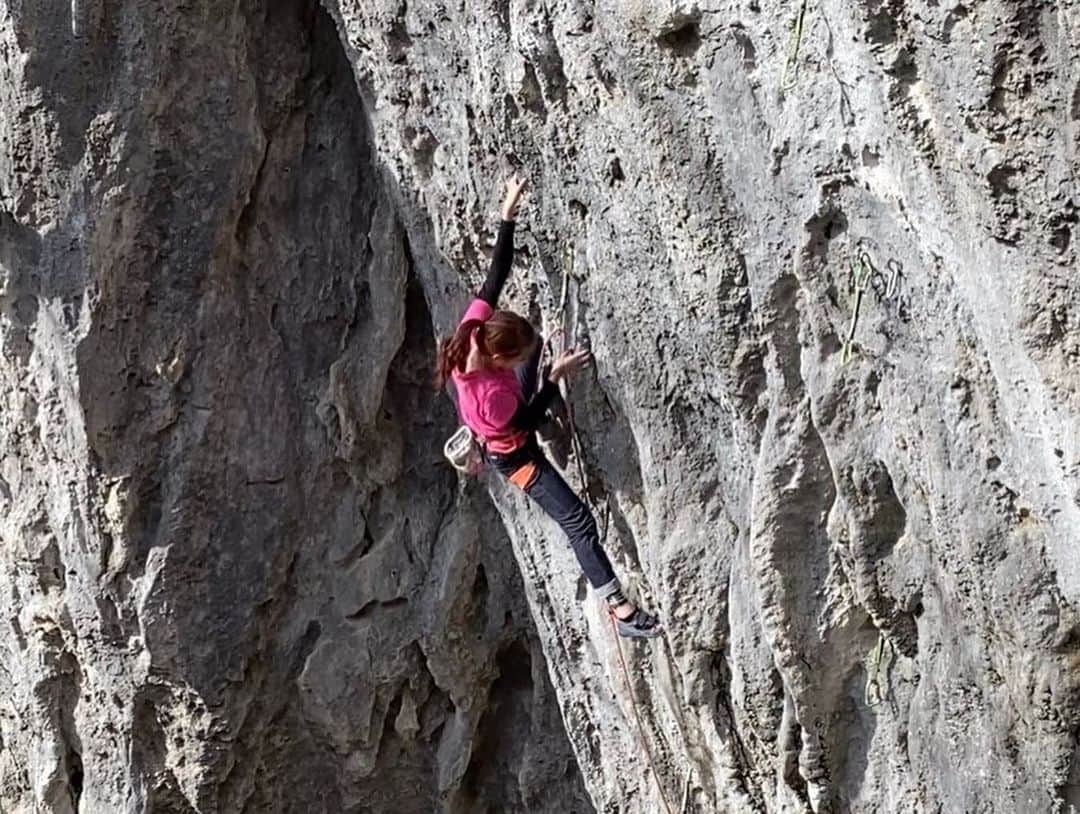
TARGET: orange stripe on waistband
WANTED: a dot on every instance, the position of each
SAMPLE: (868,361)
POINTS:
(523,476)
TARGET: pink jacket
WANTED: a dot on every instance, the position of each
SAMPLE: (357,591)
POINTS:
(489,397)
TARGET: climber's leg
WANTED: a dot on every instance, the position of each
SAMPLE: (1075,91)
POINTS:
(560,502)
(532,472)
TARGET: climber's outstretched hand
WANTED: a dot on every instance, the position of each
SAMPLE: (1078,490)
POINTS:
(569,361)
(515,185)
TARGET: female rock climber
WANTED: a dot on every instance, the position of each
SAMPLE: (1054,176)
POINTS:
(492,360)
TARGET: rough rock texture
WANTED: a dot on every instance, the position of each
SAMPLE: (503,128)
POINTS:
(236,576)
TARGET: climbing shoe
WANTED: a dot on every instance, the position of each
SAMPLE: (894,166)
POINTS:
(639,625)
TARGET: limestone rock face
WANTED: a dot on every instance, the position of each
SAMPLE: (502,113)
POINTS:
(824,256)
(236,575)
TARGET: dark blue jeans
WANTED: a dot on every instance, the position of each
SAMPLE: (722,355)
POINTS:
(554,496)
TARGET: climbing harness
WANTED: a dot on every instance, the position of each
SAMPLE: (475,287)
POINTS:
(862,269)
(792,64)
(877,676)
(637,715)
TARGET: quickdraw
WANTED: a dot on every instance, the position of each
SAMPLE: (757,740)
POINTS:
(792,64)
(862,270)
(877,676)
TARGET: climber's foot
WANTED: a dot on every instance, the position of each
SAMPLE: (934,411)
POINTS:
(634,623)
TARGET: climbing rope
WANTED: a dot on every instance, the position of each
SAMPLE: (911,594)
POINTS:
(637,715)
(792,63)
(686,793)
(847,110)
(568,264)
(576,448)
(578,452)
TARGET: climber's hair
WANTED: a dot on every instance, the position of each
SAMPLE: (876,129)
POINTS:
(504,334)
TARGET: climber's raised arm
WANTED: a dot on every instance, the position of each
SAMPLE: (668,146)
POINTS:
(503,255)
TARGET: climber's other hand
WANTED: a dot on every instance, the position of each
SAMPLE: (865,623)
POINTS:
(569,361)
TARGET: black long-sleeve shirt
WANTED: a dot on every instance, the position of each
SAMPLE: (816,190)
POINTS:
(530,412)
(501,260)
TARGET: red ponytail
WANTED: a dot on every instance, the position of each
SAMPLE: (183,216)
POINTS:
(454,350)
(503,334)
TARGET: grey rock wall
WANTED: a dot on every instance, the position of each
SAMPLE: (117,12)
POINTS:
(237,575)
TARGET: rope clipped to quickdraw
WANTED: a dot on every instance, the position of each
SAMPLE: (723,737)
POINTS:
(578,452)
(560,312)
(637,715)
(877,676)
(792,64)
(862,270)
